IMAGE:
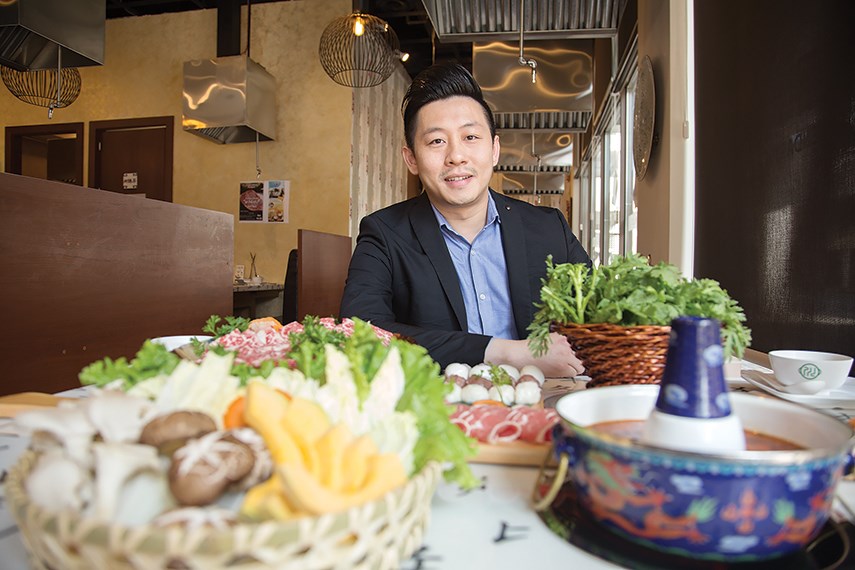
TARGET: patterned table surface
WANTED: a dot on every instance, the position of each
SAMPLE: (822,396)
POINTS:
(492,526)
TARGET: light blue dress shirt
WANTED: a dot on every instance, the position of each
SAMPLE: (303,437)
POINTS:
(483,276)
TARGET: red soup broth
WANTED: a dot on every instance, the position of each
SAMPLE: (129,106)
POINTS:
(753,441)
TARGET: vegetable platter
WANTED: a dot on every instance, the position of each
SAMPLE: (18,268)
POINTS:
(323,452)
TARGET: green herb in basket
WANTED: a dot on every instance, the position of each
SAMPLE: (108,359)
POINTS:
(631,292)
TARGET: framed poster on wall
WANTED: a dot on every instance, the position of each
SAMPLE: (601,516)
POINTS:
(264,201)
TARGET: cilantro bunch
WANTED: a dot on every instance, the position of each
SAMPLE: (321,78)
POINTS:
(631,292)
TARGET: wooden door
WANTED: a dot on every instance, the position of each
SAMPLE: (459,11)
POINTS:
(132,156)
(52,152)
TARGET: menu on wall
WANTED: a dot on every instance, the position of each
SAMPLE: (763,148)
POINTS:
(264,201)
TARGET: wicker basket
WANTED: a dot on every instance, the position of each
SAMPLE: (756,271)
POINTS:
(615,354)
(380,534)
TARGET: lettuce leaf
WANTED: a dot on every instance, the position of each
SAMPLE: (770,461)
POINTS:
(151,360)
(424,396)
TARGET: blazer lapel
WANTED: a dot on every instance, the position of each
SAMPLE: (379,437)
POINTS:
(516,259)
(430,237)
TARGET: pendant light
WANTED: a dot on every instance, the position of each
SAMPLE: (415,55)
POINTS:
(359,50)
(51,88)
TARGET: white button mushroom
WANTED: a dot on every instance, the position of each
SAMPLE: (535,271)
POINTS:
(532,370)
(457,369)
(527,393)
(482,370)
(503,393)
(454,395)
(512,371)
(472,393)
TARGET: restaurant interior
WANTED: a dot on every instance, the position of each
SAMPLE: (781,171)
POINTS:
(169,160)
(746,181)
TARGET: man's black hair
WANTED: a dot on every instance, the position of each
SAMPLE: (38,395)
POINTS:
(436,83)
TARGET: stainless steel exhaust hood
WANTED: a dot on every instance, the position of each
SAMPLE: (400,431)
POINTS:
(229,100)
(32,32)
(537,119)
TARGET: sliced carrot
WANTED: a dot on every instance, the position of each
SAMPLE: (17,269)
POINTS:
(264,323)
(233,418)
(488,403)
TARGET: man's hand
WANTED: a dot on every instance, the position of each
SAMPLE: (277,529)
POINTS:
(558,362)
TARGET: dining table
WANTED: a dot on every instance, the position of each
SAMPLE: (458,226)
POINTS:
(493,525)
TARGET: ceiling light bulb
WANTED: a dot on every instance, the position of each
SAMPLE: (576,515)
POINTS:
(405,56)
(358,27)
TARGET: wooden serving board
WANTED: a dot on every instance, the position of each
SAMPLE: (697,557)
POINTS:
(13,404)
(515,453)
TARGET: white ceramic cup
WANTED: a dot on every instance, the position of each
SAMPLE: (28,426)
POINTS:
(808,371)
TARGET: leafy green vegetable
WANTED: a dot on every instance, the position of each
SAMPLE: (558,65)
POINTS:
(215,329)
(424,396)
(151,360)
(307,347)
(424,389)
(630,292)
(500,376)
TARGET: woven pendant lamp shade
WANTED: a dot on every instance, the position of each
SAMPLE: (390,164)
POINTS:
(39,87)
(359,50)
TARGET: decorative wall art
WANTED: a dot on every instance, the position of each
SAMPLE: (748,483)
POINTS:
(264,201)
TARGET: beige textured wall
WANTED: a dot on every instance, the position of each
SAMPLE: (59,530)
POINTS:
(378,175)
(142,77)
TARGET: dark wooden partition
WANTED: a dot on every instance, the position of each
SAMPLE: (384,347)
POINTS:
(322,262)
(90,273)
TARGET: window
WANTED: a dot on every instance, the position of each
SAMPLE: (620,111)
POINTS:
(630,232)
(595,215)
(608,215)
(613,197)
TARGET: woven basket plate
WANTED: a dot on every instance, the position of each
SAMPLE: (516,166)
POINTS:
(615,354)
(372,536)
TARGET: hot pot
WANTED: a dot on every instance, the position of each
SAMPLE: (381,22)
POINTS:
(741,506)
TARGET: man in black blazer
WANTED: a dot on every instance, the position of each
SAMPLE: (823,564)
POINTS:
(459,267)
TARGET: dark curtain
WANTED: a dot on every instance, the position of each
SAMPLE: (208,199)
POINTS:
(775,117)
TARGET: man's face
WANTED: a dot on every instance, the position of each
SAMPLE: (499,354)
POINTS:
(453,153)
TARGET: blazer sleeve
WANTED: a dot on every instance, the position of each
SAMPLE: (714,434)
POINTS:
(370,294)
(575,252)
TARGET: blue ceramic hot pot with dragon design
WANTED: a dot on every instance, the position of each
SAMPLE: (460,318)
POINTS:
(737,506)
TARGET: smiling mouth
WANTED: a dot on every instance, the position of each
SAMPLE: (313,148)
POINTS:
(458,178)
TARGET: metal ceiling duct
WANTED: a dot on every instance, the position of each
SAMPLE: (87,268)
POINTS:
(229,100)
(32,31)
(527,182)
(558,35)
(520,151)
(488,20)
(559,103)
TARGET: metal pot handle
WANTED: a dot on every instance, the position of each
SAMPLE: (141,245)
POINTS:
(543,503)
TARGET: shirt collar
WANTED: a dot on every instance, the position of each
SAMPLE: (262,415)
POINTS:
(492,214)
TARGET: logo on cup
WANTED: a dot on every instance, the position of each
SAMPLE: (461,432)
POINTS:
(809,371)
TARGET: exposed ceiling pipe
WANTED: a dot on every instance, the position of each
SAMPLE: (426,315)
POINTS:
(228,27)
(523,59)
